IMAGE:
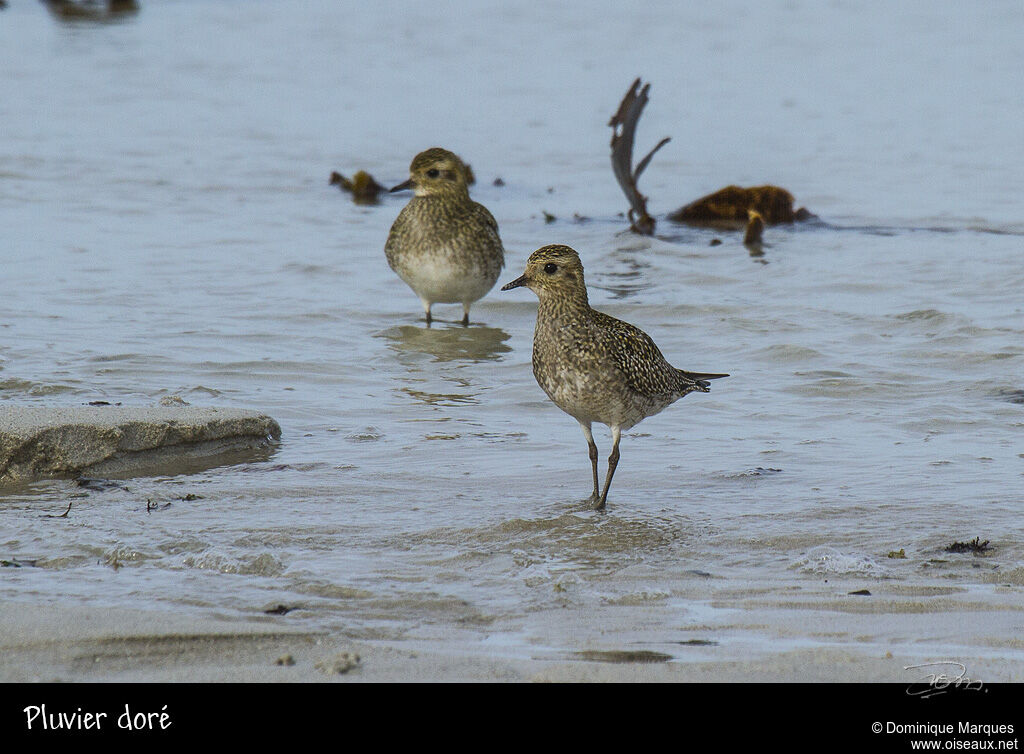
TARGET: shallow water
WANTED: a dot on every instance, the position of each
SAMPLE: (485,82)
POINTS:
(168,230)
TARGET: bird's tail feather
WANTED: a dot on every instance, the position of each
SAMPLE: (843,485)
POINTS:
(700,379)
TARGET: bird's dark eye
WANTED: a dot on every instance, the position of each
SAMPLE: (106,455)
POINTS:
(551,268)
(433,172)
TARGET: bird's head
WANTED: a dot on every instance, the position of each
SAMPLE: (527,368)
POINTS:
(553,271)
(436,172)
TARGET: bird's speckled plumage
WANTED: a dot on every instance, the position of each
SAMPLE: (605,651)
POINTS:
(444,245)
(595,367)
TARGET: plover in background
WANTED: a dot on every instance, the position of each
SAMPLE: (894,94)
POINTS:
(594,367)
(444,245)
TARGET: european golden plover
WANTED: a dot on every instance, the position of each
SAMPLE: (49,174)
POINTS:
(594,367)
(444,245)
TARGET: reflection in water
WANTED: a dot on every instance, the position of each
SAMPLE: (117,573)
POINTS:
(627,283)
(175,463)
(454,343)
(756,249)
(441,399)
(90,10)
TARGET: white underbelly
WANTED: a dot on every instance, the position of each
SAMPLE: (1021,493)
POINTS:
(438,280)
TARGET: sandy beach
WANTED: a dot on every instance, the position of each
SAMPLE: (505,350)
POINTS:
(872,642)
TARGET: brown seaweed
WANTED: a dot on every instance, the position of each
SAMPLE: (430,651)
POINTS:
(90,10)
(362,186)
(755,228)
(731,207)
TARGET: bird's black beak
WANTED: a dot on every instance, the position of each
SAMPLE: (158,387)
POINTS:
(402,186)
(517,283)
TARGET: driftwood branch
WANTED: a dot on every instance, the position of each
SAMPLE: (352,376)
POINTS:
(623,124)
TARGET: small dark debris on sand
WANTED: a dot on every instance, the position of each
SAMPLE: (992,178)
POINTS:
(498,181)
(861,593)
(15,563)
(62,515)
(975,547)
(278,610)
(623,656)
(362,186)
(99,485)
(548,217)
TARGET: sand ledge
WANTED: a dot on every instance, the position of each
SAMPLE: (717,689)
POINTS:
(39,442)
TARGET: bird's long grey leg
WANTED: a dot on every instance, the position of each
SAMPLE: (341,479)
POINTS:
(426,310)
(465,315)
(613,461)
(592,447)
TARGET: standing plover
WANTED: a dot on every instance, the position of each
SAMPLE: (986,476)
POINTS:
(594,367)
(444,245)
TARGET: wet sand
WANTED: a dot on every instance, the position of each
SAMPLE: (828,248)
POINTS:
(43,643)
